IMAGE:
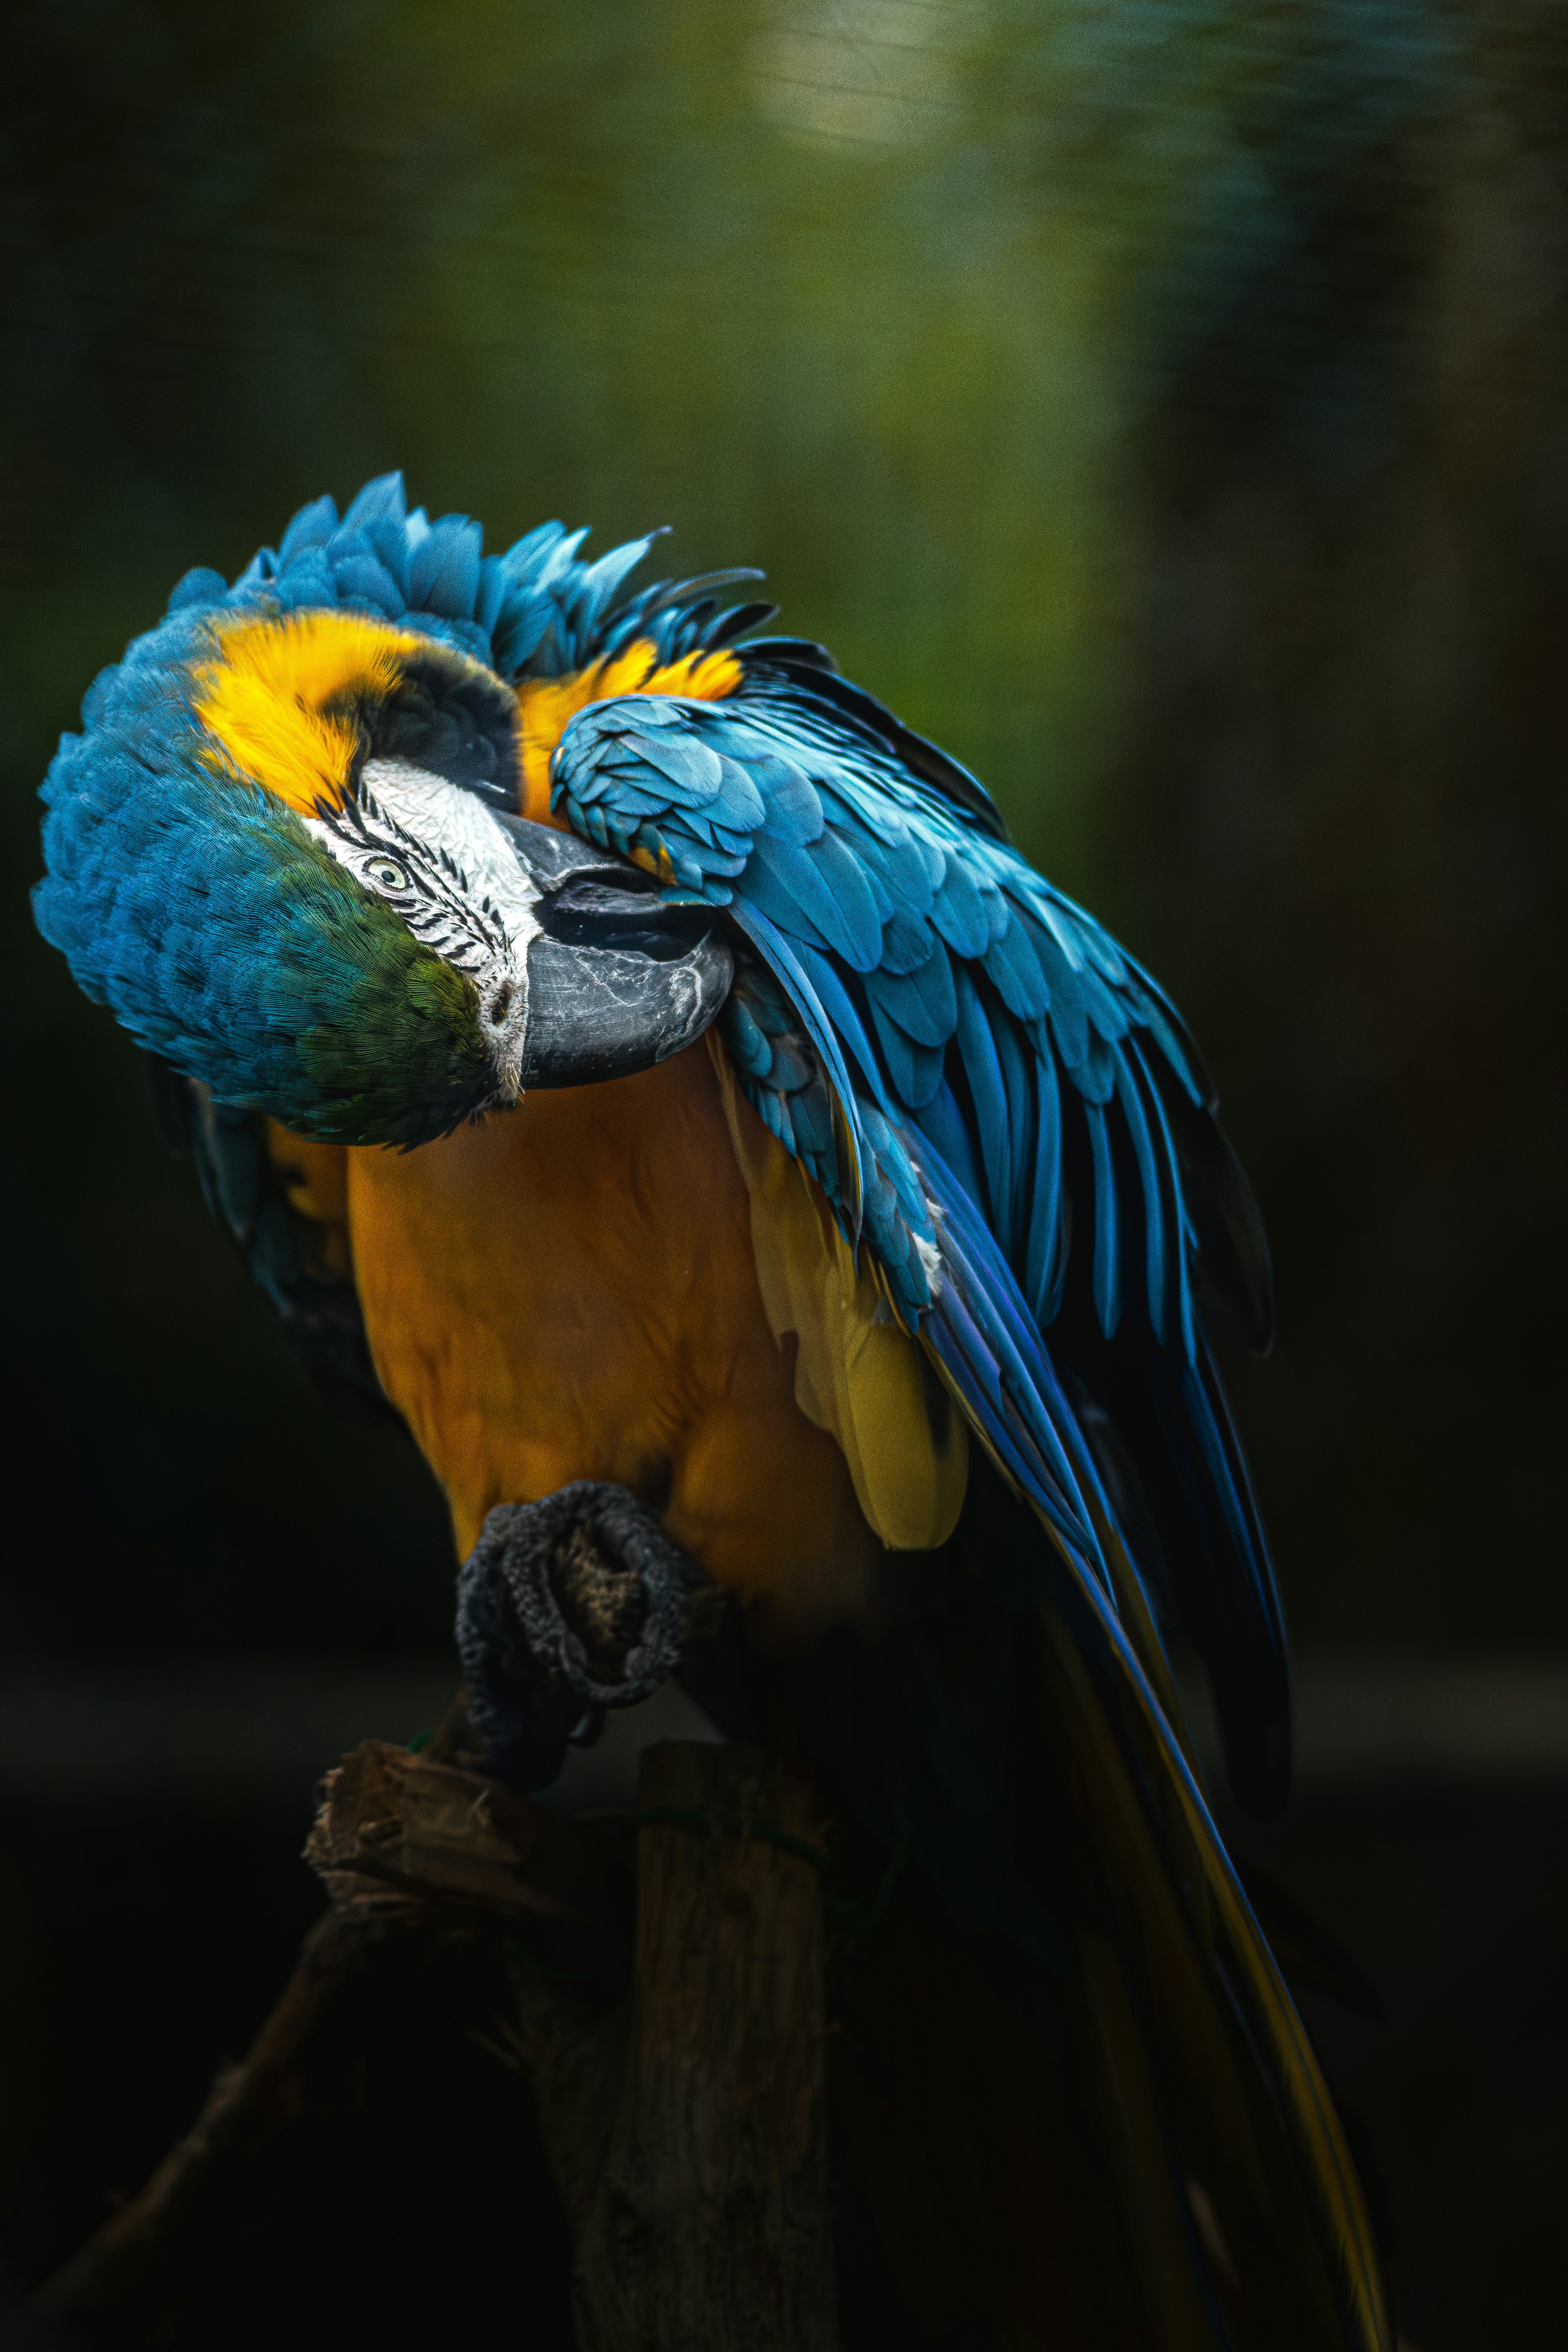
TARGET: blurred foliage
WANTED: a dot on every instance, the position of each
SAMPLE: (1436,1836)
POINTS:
(1160,402)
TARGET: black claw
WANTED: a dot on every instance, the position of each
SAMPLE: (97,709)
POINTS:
(567,1607)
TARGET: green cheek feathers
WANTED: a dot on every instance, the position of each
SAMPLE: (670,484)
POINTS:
(386,1040)
(407,1060)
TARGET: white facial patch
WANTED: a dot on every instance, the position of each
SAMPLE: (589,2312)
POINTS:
(436,855)
(441,816)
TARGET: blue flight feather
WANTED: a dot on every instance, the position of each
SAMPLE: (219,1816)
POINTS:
(983,1069)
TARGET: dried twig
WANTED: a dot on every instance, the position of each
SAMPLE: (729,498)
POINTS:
(311,2035)
(411,1847)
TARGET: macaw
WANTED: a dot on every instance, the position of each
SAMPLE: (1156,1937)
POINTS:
(625,1047)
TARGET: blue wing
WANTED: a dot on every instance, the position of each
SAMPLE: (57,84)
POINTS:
(999,1103)
(979,1029)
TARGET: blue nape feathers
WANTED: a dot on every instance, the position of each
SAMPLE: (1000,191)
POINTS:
(535,610)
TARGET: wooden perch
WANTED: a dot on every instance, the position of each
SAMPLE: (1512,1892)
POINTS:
(685,2124)
(396,1832)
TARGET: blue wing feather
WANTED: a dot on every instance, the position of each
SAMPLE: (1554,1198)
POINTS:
(1107,1277)
(988,1093)
(1046,1241)
(785,963)
(953,991)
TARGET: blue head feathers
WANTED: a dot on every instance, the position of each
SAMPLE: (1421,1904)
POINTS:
(534,612)
(268,850)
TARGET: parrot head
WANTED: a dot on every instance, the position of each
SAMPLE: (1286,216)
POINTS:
(286,852)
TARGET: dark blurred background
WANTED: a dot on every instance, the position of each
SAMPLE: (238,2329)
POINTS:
(1162,403)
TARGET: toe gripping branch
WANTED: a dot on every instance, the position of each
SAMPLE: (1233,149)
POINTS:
(565,1608)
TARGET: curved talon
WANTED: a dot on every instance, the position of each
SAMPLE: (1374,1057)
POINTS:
(565,1608)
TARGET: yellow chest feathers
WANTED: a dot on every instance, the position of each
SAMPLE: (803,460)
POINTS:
(635,1282)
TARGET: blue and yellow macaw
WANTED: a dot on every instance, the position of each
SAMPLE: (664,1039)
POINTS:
(769,1140)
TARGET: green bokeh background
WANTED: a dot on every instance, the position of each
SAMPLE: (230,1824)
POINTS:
(1163,403)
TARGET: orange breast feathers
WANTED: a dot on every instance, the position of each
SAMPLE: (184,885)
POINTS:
(570,1291)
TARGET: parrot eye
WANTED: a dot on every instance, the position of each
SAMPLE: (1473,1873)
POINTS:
(387,874)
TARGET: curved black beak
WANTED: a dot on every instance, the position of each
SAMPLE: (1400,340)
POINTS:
(616,980)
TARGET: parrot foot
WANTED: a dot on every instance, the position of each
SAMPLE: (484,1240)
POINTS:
(565,1608)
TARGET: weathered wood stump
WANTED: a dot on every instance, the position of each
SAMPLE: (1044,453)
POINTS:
(688,2133)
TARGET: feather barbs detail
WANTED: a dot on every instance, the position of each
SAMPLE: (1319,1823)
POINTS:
(547,705)
(278,698)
